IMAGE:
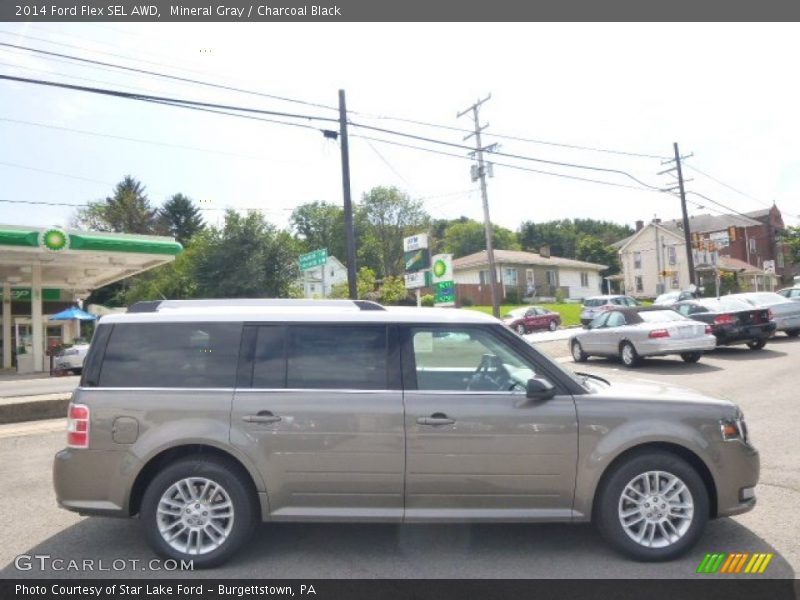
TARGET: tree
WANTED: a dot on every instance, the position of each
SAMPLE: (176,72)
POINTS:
(174,281)
(365,285)
(320,225)
(246,258)
(180,218)
(127,211)
(563,235)
(467,237)
(790,238)
(386,216)
(592,249)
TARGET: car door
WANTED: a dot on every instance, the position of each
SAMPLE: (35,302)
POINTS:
(476,449)
(530,319)
(611,333)
(318,408)
(592,339)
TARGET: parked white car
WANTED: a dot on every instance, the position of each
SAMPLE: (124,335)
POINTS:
(671,298)
(596,305)
(784,312)
(71,359)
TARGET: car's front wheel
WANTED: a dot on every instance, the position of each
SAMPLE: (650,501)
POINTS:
(691,357)
(552,326)
(757,344)
(578,355)
(653,506)
(200,510)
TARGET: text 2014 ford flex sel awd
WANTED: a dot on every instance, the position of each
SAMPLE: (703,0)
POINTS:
(205,417)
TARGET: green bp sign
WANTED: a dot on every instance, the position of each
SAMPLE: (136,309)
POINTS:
(54,240)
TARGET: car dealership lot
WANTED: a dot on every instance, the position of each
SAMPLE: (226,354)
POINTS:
(763,382)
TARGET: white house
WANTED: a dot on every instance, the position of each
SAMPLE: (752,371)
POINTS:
(319,281)
(653,261)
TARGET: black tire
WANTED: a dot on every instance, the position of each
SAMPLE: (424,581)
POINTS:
(225,473)
(76,371)
(792,332)
(691,357)
(521,329)
(628,355)
(552,326)
(757,344)
(578,355)
(607,504)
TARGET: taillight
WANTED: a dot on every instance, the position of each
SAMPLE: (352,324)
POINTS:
(659,333)
(723,320)
(709,329)
(78,426)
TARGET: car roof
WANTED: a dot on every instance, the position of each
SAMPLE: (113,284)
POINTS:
(292,311)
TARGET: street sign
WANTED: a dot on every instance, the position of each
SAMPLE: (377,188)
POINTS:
(415,242)
(442,267)
(416,260)
(417,280)
(444,293)
(313,259)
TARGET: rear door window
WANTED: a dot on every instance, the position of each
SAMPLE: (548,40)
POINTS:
(337,357)
(171,355)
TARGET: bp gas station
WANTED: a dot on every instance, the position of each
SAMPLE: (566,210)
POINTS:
(46,270)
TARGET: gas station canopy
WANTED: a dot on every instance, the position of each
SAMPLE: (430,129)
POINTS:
(38,261)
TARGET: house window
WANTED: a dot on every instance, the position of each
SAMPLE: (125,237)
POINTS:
(637,260)
(675,284)
(672,255)
(551,277)
(779,257)
(584,279)
(752,242)
(483,277)
(529,276)
(639,285)
(510,276)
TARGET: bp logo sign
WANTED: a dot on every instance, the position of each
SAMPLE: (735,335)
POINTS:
(54,240)
(439,268)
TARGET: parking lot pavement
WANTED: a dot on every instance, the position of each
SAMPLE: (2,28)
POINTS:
(764,383)
(550,336)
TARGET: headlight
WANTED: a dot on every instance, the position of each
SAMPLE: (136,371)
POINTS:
(734,429)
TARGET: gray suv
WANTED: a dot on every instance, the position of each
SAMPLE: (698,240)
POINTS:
(206,417)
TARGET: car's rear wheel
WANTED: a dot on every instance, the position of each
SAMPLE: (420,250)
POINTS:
(521,329)
(691,357)
(757,344)
(578,355)
(653,506)
(200,510)
(552,326)
(628,355)
(792,332)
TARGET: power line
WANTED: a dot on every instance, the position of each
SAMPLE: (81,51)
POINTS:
(511,137)
(506,155)
(27,168)
(730,187)
(43,203)
(163,75)
(164,99)
(387,163)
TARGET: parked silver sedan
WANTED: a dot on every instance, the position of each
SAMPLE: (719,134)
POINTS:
(785,313)
(634,333)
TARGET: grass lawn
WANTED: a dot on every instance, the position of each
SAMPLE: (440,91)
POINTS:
(570,313)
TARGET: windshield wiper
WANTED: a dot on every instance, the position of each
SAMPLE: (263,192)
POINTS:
(591,376)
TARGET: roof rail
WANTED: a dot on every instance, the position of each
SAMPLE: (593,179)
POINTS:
(159,305)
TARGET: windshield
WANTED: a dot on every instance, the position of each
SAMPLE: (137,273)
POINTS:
(762,298)
(660,316)
(667,297)
(517,313)
(591,302)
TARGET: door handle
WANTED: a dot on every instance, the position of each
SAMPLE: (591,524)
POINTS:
(262,417)
(436,419)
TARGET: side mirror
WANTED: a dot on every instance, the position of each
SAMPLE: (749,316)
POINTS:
(539,389)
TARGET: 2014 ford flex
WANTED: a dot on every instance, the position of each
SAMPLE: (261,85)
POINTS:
(205,417)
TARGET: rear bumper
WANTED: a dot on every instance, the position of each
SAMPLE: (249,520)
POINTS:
(93,482)
(663,347)
(740,334)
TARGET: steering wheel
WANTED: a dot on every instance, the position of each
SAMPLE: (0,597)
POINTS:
(483,378)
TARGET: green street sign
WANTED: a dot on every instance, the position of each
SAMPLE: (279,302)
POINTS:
(416,260)
(317,258)
(25,295)
(444,293)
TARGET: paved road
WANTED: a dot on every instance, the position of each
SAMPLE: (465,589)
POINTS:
(764,383)
(14,387)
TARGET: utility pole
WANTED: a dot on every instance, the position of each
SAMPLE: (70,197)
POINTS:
(350,237)
(481,174)
(687,234)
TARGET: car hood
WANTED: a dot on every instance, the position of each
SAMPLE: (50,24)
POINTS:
(644,390)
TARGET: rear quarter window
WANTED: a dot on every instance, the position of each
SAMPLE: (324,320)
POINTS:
(171,355)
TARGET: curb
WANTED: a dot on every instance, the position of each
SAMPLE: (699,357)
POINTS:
(33,408)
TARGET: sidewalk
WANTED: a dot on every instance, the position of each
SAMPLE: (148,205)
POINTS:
(34,396)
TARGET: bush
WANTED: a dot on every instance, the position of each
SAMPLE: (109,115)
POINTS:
(513,296)
(464,302)
(427,300)
(560,296)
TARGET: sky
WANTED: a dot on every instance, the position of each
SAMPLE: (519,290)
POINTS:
(726,92)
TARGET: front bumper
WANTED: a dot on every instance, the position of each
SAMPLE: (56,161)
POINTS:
(738,467)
